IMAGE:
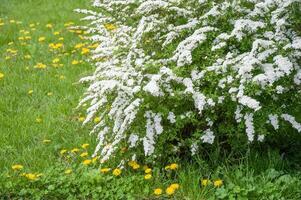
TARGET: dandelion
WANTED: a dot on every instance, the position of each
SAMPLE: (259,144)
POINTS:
(84,154)
(74,62)
(110,27)
(148,170)
(63,151)
(95,159)
(78,46)
(81,119)
(116,172)
(49,25)
(1,75)
(84,146)
(170,191)
(56,60)
(85,51)
(55,46)
(68,171)
(41,39)
(147,176)
(27,57)
(62,77)
(205,182)
(158,191)
(56,33)
(173,166)
(46,141)
(175,186)
(105,170)
(136,166)
(39,120)
(87,162)
(17,167)
(40,66)
(61,39)
(75,150)
(49,93)
(218,183)
(31,176)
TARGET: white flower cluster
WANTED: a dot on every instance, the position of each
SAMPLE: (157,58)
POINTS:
(152,51)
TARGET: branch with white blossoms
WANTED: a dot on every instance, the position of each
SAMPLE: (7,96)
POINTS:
(159,60)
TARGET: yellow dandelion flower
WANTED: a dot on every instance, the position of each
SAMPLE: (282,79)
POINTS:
(105,170)
(41,39)
(74,62)
(110,27)
(49,26)
(81,119)
(10,43)
(95,159)
(170,191)
(27,56)
(68,171)
(31,25)
(46,141)
(56,33)
(62,77)
(218,183)
(175,186)
(56,60)
(12,21)
(147,176)
(78,46)
(84,154)
(40,66)
(75,150)
(87,162)
(39,120)
(84,146)
(205,182)
(158,191)
(1,75)
(136,166)
(17,167)
(85,51)
(61,39)
(173,166)
(132,163)
(96,120)
(49,93)
(31,176)
(148,170)
(63,151)
(117,172)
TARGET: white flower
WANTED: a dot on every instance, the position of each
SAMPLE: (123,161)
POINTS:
(208,137)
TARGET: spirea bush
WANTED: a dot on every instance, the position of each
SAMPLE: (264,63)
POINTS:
(174,75)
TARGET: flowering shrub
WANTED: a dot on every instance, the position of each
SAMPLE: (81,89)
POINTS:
(173,75)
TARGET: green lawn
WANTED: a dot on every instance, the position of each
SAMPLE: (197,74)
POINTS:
(21,133)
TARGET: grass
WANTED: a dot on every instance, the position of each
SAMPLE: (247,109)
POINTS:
(39,104)
(21,136)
